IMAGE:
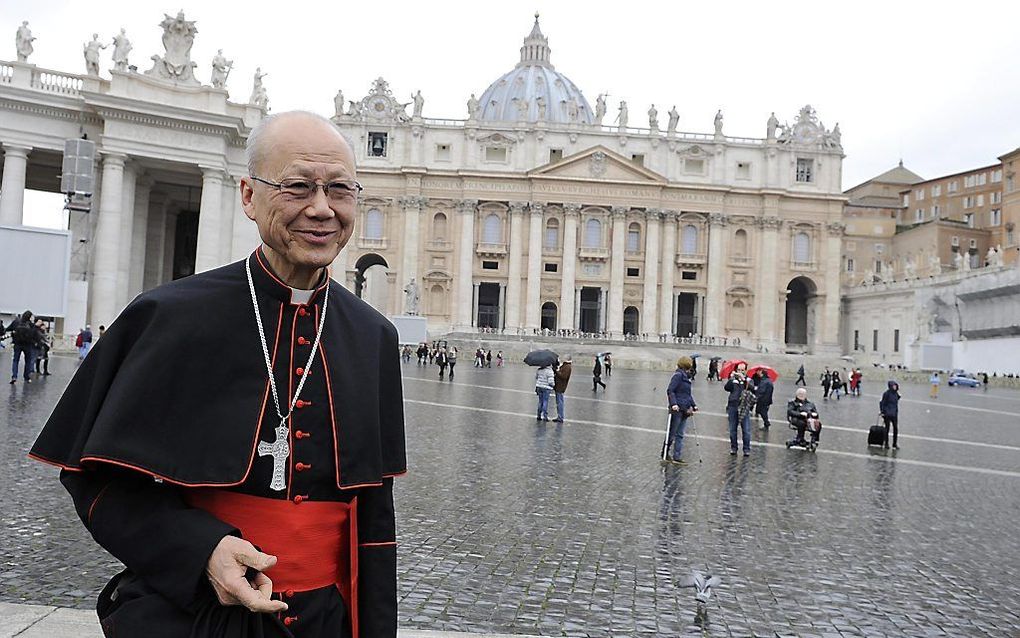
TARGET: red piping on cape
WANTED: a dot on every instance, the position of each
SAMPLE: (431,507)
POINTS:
(386,544)
(332,414)
(88,519)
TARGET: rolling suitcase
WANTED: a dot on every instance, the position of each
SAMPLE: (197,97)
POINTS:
(877,434)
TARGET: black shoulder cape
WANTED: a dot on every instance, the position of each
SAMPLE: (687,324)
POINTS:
(177,385)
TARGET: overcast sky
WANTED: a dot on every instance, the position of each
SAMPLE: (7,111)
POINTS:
(934,83)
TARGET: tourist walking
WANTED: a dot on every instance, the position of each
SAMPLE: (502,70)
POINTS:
(738,407)
(984,380)
(499,359)
(681,407)
(451,358)
(544,384)
(836,383)
(86,341)
(800,376)
(23,338)
(855,382)
(442,361)
(763,390)
(609,364)
(560,387)
(826,383)
(713,370)
(44,342)
(889,406)
(488,358)
(596,376)
(935,380)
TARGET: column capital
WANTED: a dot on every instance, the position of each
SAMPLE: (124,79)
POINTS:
(654,214)
(718,219)
(413,202)
(113,159)
(572,209)
(836,228)
(536,208)
(212,173)
(517,208)
(16,150)
(619,212)
(770,223)
(670,215)
(467,206)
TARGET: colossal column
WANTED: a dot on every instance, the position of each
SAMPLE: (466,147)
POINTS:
(170,244)
(566,318)
(828,341)
(139,228)
(127,220)
(412,213)
(210,213)
(107,242)
(12,188)
(533,317)
(244,232)
(767,299)
(615,325)
(513,281)
(649,303)
(155,241)
(716,290)
(668,269)
(465,262)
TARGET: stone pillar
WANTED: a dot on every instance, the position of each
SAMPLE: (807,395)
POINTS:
(412,214)
(170,245)
(767,299)
(650,301)
(828,336)
(207,252)
(127,222)
(533,316)
(567,316)
(715,302)
(12,188)
(155,241)
(667,299)
(245,233)
(615,325)
(230,201)
(513,281)
(465,262)
(107,242)
(139,229)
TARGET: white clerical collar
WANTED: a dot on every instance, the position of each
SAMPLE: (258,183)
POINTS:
(300,297)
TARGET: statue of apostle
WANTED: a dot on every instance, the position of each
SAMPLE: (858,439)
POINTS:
(600,108)
(23,40)
(674,119)
(91,52)
(472,107)
(653,119)
(234,436)
(121,48)
(221,67)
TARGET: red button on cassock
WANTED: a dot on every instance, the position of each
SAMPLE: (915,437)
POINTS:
(299,371)
(297,499)
(301,434)
(301,467)
(289,593)
(301,311)
(300,403)
(290,620)
(302,341)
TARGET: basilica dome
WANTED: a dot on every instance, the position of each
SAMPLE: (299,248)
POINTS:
(534,91)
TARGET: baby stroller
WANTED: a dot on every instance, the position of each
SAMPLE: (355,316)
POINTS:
(814,427)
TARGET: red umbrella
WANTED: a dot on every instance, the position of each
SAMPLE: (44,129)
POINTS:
(728,367)
(771,372)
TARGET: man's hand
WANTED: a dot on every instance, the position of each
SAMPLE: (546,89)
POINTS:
(674,408)
(226,570)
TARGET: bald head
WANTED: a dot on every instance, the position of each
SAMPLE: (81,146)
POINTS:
(801,393)
(263,137)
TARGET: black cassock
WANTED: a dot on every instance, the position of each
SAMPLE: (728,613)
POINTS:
(168,410)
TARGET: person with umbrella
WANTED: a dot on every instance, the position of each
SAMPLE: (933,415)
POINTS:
(560,387)
(596,375)
(713,369)
(681,407)
(738,404)
(763,389)
(544,384)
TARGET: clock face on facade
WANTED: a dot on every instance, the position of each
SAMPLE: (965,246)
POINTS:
(378,104)
(804,133)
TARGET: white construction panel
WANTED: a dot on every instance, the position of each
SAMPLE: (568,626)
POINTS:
(35,264)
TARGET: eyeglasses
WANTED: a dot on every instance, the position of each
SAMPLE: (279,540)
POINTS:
(340,191)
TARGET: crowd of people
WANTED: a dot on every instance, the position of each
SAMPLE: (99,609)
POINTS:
(31,341)
(445,357)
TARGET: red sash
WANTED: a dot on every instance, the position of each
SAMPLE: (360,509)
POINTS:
(315,542)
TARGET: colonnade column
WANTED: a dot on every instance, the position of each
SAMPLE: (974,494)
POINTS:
(649,302)
(767,299)
(829,340)
(513,281)
(668,260)
(465,263)
(170,245)
(533,316)
(127,220)
(245,233)
(412,213)
(615,325)
(139,230)
(155,241)
(716,289)
(207,252)
(566,314)
(12,188)
(107,241)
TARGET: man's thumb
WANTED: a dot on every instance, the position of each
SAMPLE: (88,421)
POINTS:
(257,560)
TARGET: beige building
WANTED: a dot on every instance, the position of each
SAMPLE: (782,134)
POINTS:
(532,213)
(1008,232)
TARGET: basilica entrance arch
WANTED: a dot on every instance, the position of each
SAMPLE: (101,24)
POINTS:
(370,282)
(799,315)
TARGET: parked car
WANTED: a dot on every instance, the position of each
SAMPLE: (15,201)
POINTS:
(959,377)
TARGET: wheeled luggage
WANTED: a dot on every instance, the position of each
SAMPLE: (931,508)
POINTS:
(877,435)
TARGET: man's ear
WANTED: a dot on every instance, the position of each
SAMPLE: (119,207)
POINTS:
(247,193)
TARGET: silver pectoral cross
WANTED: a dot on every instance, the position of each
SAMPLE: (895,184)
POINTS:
(279,450)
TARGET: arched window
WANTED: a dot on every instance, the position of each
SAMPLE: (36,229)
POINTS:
(552,234)
(593,234)
(437,300)
(740,243)
(634,237)
(548,316)
(439,226)
(374,224)
(738,315)
(630,320)
(492,230)
(689,239)
(802,248)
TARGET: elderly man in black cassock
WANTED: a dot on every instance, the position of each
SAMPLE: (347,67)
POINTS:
(233,438)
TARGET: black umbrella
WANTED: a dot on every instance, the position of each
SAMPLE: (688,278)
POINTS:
(716,358)
(541,358)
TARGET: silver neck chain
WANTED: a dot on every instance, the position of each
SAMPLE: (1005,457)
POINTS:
(265,346)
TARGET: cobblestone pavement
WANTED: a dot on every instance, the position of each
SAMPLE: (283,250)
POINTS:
(511,526)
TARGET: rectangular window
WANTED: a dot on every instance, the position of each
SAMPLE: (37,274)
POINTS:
(443,152)
(555,155)
(377,144)
(857,340)
(689,275)
(896,340)
(633,272)
(849,264)
(981,200)
(906,199)
(879,248)
(952,186)
(551,267)
(982,179)
(935,211)
(954,241)
(878,266)
(968,181)
(936,190)
(969,220)
(638,159)
(995,217)
(490,265)
(995,197)
(973,243)
(919,215)
(919,194)
(805,170)
(1010,237)
(495,154)
(997,176)
(1010,183)
(874,340)
(694,166)
(743,170)
(968,201)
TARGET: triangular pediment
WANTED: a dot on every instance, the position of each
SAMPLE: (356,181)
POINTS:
(599,163)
